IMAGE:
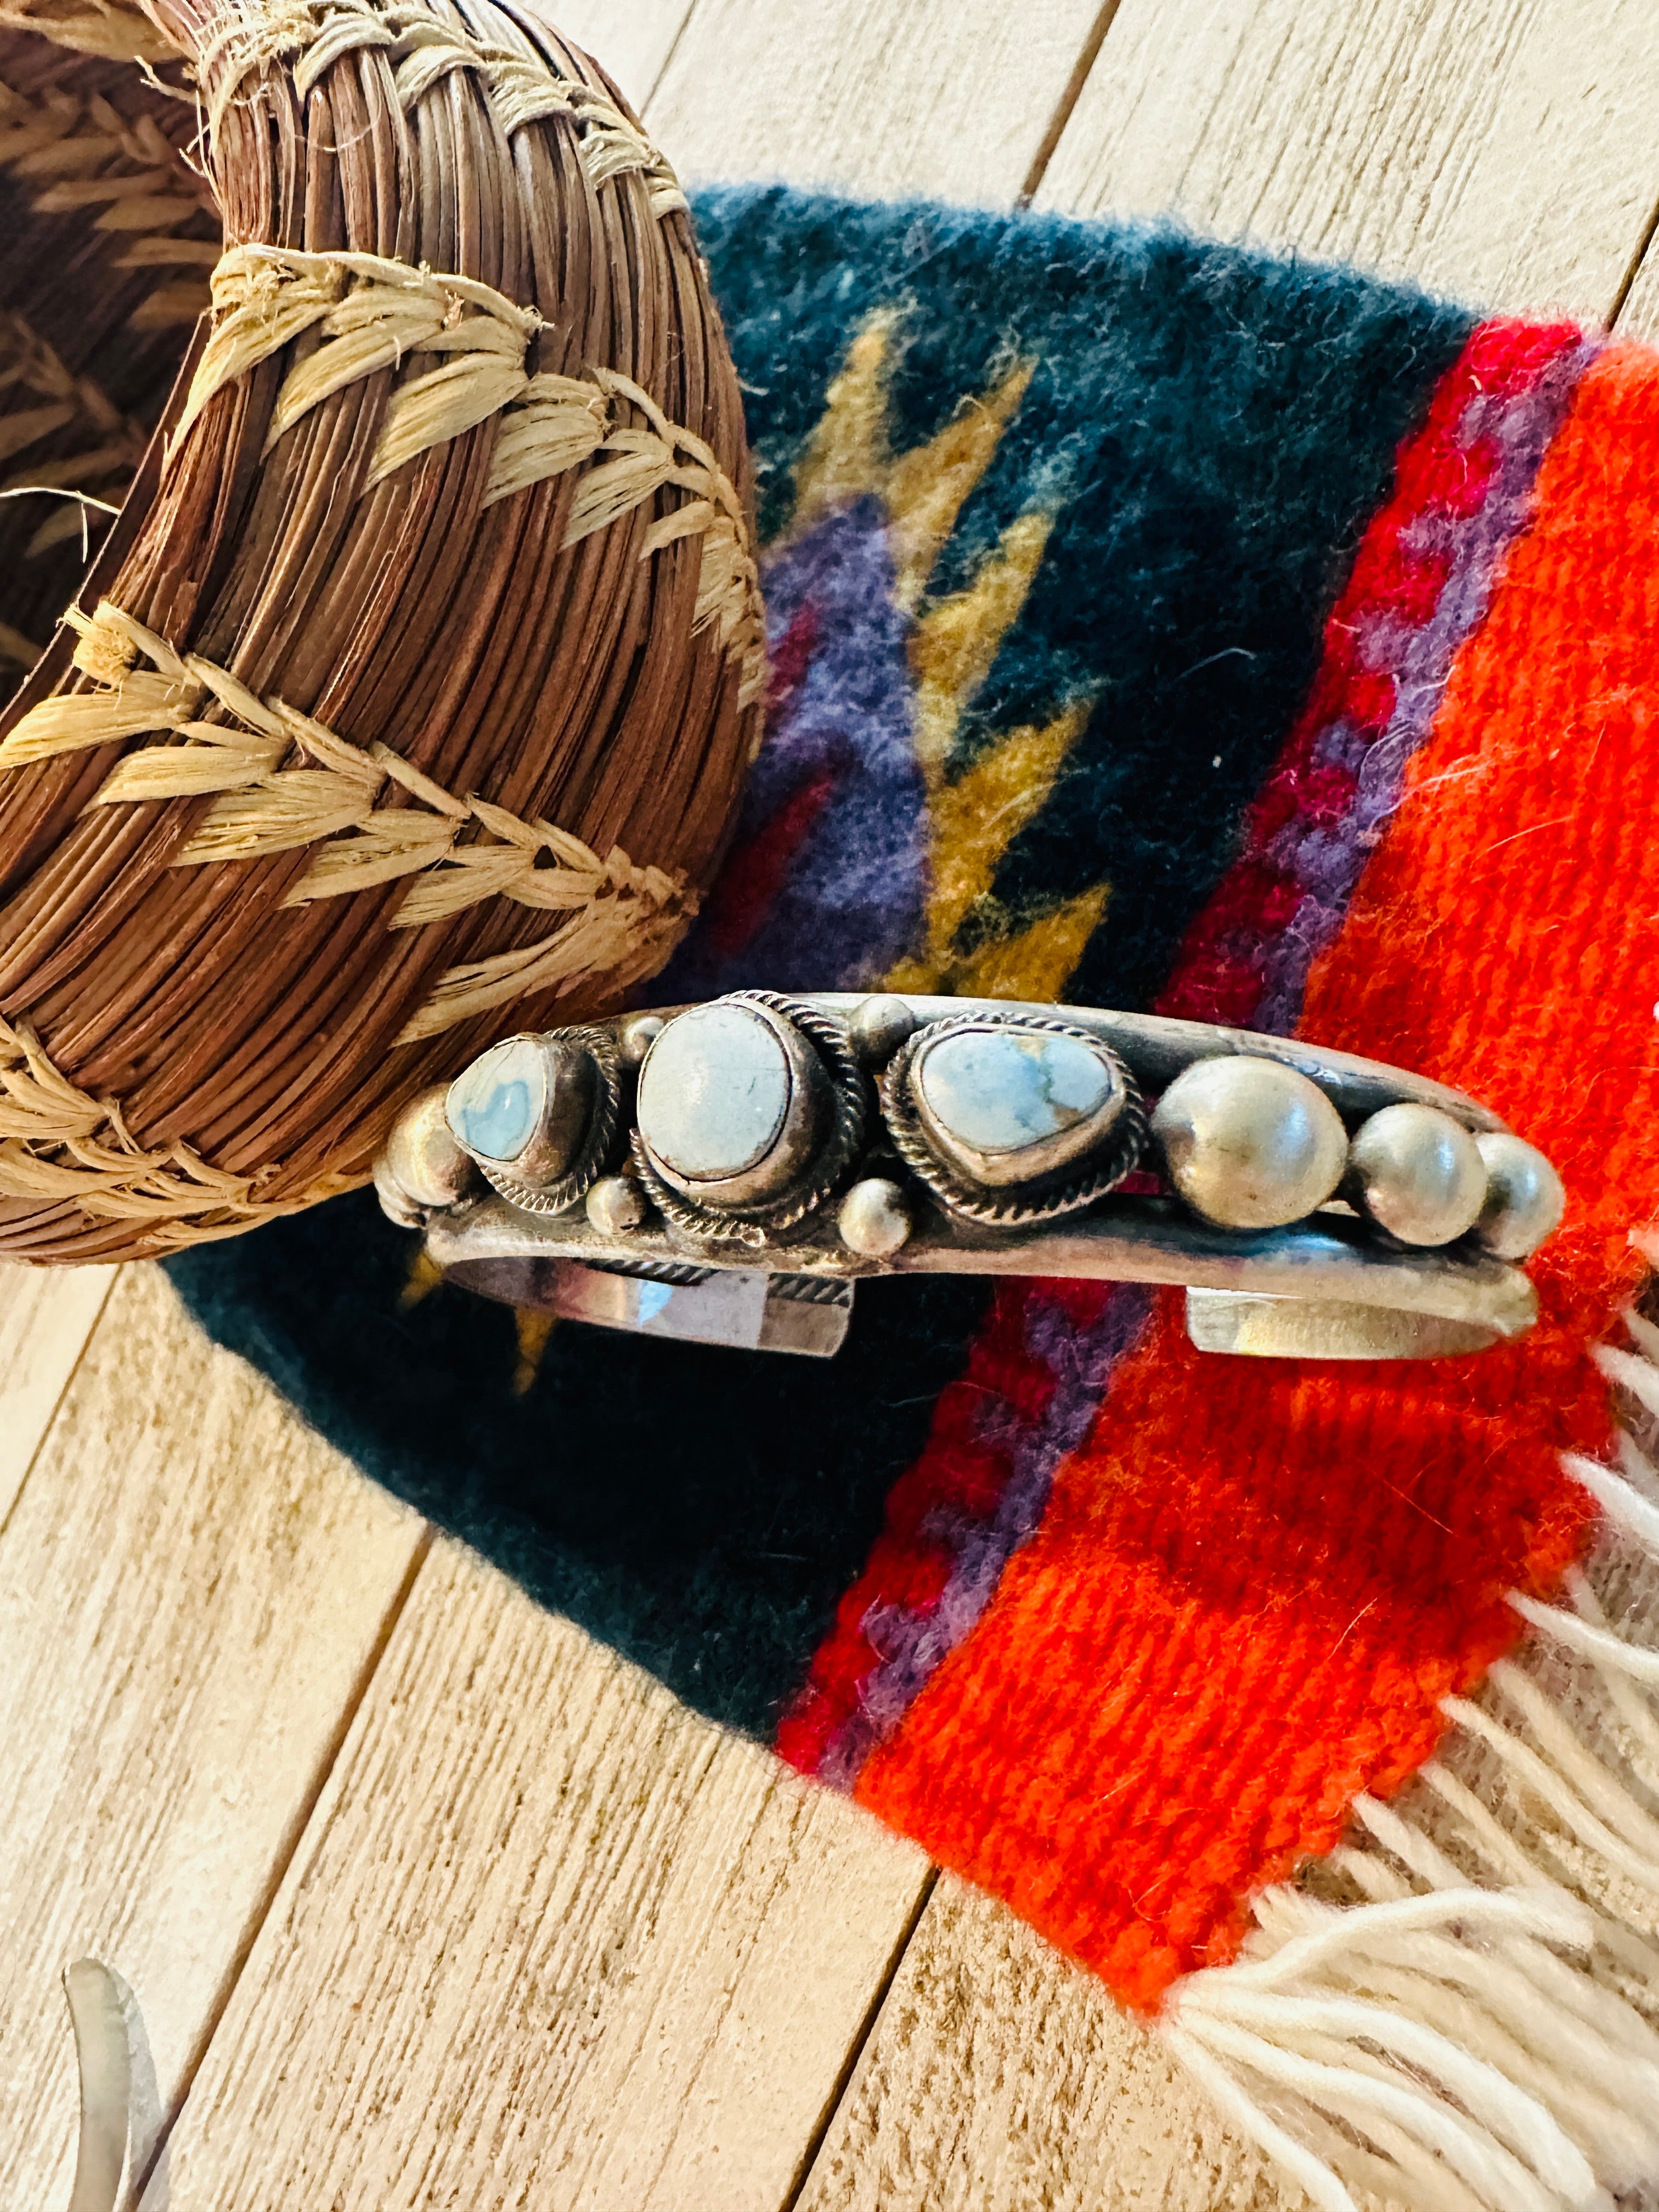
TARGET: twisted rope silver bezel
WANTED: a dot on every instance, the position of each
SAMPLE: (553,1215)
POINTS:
(601,1135)
(1047,1198)
(756,1225)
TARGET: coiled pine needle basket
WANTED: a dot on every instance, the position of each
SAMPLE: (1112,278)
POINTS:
(409,701)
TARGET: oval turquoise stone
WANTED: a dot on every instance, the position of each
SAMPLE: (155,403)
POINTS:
(999,1090)
(713,1092)
(495,1106)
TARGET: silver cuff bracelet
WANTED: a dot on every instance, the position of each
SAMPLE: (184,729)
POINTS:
(727,1172)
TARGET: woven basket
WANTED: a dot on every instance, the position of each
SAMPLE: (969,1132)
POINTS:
(409,701)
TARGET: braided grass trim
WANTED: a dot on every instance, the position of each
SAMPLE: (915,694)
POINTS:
(369,314)
(621,918)
(622,939)
(520,86)
(267,295)
(57,1141)
(71,152)
(115,32)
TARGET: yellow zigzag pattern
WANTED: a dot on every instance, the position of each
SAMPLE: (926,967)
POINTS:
(953,646)
(973,820)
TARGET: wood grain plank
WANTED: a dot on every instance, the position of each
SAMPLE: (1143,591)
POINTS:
(632,38)
(550,1940)
(47,1315)
(190,1588)
(951,98)
(1498,149)
(1000,2074)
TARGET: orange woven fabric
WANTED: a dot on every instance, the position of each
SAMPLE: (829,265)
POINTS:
(1255,1581)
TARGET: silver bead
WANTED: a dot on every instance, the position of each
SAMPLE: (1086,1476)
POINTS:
(1524,1197)
(636,1036)
(399,1207)
(879,1027)
(422,1163)
(1417,1174)
(1250,1143)
(874,1219)
(616,1205)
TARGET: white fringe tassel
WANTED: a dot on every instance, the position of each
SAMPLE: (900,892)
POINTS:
(1457,2012)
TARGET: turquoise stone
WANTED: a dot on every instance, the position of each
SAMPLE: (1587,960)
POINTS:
(496,1106)
(713,1092)
(1001,1090)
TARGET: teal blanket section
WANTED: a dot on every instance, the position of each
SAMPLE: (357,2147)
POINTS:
(1210,429)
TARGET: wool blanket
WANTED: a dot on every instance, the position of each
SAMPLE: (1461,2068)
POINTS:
(1158,624)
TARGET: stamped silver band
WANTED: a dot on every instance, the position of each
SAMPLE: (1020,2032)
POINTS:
(726,1173)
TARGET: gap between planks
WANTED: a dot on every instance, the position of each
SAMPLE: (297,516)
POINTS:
(190,1586)
(46,1316)
(633,43)
(855,2048)
(1065,104)
(148,2165)
(347,1808)
(1500,150)
(549,1939)
(1636,311)
(949,98)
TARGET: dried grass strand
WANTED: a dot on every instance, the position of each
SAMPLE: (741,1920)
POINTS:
(71,153)
(370,313)
(113,32)
(521,88)
(618,913)
(57,1142)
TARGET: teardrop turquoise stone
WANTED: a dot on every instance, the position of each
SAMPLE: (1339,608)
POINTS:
(999,1090)
(495,1106)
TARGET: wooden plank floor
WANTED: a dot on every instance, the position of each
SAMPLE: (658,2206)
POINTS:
(424,1899)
